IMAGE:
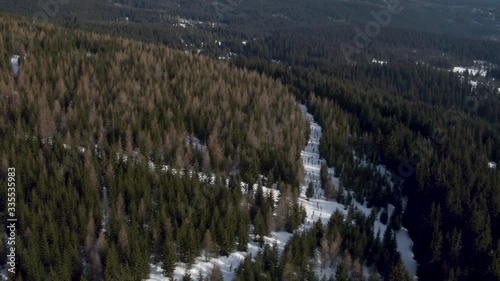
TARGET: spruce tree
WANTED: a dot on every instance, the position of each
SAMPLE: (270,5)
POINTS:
(374,276)
(216,274)
(384,216)
(330,190)
(187,242)
(310,191)
(399,273)
(242,237)
(168,258)
(208,246)
(341,274)
(494,268)
(437,236)
(112,269)
(260,227)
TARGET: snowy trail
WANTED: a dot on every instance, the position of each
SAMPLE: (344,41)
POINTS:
(317,208)
(320,208)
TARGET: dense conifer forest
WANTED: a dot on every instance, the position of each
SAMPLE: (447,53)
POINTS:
(134,146)
(417,121)
(88,112)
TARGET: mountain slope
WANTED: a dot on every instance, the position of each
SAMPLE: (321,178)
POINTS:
(89,122)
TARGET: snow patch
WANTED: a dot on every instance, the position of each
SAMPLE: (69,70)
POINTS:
(14,61)
(381,62)
(474,71)
(405,248)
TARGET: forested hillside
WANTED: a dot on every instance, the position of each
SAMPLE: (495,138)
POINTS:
(135,148)
(91,124)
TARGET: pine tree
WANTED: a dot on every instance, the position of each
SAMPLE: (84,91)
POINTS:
(374,276)
(494,268)
(480,223)
(341,274)
(437,236)
(384,216)
(390,255)
(216,274)
(296,216)
(289,273)
(282,211)
(245,270)
(310,191)
(323,173)
(260,227)
(455,244)
(399,273)
(324,251)
(168,258)
(242,237)
(375,250)
(391,148)
(208,246)
(259,197)
(335,248)
(123,241)
(330,190)
(395,220)
(340,195)
(187,242)
(357,271)
(112,270)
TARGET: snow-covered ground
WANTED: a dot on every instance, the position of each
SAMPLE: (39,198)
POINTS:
(196,143)
(318,207)
(474,71)
(14,61)
(227,264)
(381,62)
